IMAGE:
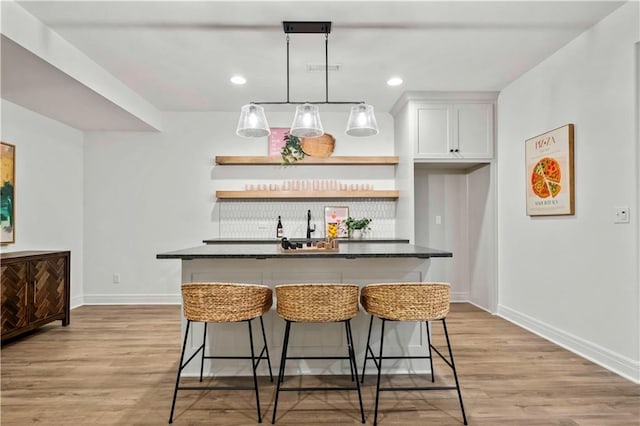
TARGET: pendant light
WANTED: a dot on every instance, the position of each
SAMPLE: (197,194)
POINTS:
(306,122)
(362,121)
(252,122)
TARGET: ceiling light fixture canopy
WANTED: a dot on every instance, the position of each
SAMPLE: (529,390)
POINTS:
(306,123)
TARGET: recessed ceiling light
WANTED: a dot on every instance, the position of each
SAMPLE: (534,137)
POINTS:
(394,81)
(238,79)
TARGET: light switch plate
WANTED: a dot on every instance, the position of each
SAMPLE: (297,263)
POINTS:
(621,214)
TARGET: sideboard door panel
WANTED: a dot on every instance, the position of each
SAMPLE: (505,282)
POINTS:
(49,287)
(15,312)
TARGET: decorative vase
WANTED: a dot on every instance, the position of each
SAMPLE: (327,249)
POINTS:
(356,234)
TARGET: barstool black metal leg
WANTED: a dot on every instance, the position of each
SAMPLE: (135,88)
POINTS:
(453,367)
(350,346)
(429,348)
(282,365)
(375,417)
(253,369)
(266,348)
(204,345)
(285,345)
(366,350)
(175,390)
(352,363)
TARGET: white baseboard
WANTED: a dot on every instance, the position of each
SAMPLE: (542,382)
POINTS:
(76,302)
(132,299)
(619,364)
(459,296)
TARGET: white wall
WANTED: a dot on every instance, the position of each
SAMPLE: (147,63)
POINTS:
(442,193)
(455,211)
(405,227)
(49,180)
(481,238)
(574,279)
(148,193)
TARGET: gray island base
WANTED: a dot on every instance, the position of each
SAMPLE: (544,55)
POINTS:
(266,264)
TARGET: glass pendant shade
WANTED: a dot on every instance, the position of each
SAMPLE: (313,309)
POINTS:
(252,123)
(362,121)
(306,123)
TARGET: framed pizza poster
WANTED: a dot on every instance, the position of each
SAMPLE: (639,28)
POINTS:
(549,173)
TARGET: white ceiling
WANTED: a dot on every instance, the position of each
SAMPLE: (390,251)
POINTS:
(179,55)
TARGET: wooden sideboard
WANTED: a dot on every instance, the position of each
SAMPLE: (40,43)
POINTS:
(35,290)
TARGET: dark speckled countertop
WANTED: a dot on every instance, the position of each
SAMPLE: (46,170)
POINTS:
(365,249)
(277,241)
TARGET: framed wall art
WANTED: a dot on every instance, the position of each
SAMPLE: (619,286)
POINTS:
(7,193)
(276,140)
(334,220)
(549,173)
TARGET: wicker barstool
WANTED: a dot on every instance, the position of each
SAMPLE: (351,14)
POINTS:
(408,302)
(317,303)
(224,303)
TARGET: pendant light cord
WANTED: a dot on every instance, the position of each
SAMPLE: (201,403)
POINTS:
(287,68)
(326,67)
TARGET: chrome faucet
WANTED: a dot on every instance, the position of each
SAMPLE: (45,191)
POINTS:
(309,230)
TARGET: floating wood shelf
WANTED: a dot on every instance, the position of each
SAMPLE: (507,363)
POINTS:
(265,161)
(306,194)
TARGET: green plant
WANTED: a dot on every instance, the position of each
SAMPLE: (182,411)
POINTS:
(362,223)
(291,151)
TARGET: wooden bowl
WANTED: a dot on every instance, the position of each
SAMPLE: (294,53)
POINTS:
(322,146)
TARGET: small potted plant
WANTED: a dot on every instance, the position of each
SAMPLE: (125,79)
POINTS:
(291,151)
(357,227)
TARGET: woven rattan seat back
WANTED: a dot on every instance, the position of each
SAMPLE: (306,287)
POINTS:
(317,302)
(407,301)
(225,302)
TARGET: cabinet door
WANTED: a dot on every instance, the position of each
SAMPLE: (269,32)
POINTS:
(474,131)
(435,127)
(48,277)
(15,313)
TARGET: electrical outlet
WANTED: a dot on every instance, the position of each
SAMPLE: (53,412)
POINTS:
(116,278)
(621,214)
(438,220)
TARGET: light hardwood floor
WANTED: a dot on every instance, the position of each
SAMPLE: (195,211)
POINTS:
(115,365)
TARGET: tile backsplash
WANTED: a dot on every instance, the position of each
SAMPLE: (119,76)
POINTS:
(258,218)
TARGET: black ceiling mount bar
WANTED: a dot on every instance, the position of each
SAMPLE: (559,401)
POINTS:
(309,27)
(306,27)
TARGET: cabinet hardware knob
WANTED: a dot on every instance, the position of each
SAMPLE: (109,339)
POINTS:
(451,150)
(457,150)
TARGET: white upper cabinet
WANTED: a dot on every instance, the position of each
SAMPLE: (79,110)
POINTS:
(453,130)
(435,130)
(474,131)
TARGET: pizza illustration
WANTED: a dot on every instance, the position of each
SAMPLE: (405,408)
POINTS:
(545,179)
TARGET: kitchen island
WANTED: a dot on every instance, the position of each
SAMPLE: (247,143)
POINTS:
(273,251)
(362,263)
